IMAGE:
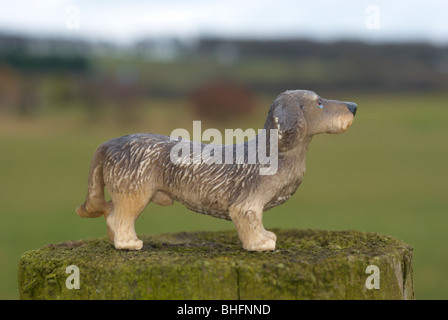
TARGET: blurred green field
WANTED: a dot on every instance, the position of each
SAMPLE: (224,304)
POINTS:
(386,174)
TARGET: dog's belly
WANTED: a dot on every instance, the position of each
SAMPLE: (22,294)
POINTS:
(206,206)
(217,213)
(276,202)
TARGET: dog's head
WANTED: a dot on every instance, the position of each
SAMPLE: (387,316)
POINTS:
(301,113)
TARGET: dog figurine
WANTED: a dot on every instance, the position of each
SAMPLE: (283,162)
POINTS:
(137,169)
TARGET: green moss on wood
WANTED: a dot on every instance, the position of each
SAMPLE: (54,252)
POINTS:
(212,265)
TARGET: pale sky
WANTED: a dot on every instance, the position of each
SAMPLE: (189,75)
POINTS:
(130,20)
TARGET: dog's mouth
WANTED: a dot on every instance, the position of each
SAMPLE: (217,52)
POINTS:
(341,124)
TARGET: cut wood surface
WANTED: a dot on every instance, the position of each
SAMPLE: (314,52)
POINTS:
(307,264)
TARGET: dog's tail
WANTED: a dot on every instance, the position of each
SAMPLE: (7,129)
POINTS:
(95,204)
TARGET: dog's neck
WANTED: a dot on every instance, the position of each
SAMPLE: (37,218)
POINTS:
(292,161)
(291,168)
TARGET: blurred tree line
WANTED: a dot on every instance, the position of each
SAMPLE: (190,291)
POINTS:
(59,72)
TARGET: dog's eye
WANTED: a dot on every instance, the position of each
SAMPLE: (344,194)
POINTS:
(319,104)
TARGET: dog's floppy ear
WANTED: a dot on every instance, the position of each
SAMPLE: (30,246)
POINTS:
(287,117)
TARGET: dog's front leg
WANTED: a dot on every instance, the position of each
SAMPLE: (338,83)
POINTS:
(253,236)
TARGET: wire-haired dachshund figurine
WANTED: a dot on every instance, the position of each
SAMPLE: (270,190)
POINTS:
(139,168)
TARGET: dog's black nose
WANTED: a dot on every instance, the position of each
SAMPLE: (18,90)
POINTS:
(352,107)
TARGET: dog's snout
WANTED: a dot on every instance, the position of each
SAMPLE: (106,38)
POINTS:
(352,107)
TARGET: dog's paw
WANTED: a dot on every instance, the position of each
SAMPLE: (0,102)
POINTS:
(270,235)
(265,244)
(129,245)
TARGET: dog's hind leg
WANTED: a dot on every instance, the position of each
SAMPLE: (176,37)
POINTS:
(110,208)
(248,223)
(121,221)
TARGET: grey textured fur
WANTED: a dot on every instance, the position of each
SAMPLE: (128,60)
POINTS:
(137,169)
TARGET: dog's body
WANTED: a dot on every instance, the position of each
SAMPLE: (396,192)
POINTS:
(137,169)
